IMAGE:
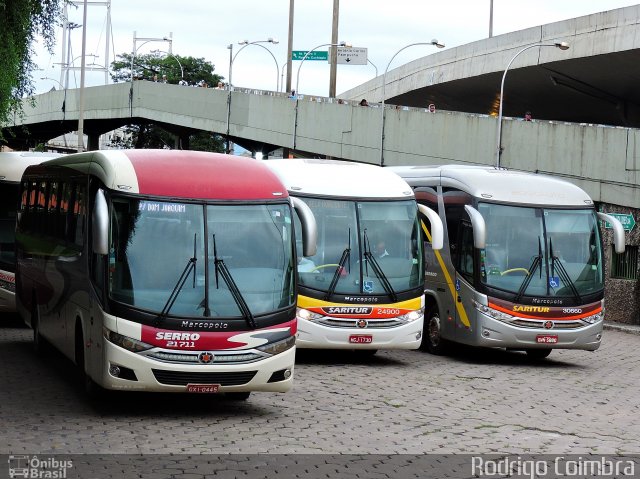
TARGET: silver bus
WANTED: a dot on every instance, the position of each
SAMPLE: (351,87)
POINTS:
(522,262)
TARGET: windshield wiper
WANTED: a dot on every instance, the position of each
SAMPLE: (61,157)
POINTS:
(532,268)
(191,265)
(562,272)
(222,269)
(346,254)
(377,269)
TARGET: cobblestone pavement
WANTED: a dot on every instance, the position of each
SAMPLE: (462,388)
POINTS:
(396,402)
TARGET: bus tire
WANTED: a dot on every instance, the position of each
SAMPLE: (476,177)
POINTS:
(238,396)
(91,389)
(432,340)
(538,353)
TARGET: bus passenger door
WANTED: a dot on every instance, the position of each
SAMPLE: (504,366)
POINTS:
(465,266)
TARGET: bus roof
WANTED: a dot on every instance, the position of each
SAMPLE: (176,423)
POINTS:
(13,163)
(339,179)
(493,184)
(179,174)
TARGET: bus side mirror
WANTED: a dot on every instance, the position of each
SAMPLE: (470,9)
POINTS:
(309,226)
(437,229)
(100,224)
(479,227)
(618,231)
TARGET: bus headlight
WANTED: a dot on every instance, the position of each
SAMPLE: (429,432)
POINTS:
(492,313)
(306,314)
(279,346)
(125,342)
(412,315)
(595,318)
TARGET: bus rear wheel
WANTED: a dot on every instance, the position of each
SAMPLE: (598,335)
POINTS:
(432,340)
(538,353)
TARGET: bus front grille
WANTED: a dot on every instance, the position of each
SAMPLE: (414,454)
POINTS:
(182,378)
(353,323)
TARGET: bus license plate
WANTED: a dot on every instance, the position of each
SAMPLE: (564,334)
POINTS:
(360,339)
(546,339)
(203,388)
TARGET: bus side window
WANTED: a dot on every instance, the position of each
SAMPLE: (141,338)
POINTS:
(466,251)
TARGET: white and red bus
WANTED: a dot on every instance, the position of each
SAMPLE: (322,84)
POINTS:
(162,270)
(12,165)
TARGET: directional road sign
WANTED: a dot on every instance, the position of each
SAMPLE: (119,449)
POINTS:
(351,56)
(314,55)
(627,220)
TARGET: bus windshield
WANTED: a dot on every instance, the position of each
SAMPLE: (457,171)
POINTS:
(348,231)
(154,242)
(541,252)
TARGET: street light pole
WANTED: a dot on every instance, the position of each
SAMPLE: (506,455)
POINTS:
(232,58)
(175,58)
(561,46)
(433,42)
(134,51)
(295,125)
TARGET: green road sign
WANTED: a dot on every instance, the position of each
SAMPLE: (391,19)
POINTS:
(627,220)
(314,55)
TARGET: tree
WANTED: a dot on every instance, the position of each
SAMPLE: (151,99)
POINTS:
(157,65)
(21,21)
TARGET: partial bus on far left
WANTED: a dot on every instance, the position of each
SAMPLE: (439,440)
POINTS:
(12,165)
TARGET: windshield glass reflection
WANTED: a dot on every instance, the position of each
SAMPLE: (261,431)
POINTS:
(152,241)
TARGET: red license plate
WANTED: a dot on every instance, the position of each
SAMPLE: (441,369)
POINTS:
(546,339)
(203,388)
(360,339)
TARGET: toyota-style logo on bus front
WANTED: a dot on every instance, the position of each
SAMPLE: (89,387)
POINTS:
(205,358)
(548,324)
(362,323)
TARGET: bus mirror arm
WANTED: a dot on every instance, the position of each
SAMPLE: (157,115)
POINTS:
(479,227)
(100,224)
(437,229)
(618,231)
(309,226)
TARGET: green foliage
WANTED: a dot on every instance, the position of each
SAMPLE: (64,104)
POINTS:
(154,66)
(158,64)
(151,136)
(20,22)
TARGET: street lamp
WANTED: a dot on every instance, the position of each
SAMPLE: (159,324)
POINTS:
(341,44)
(175,58)
(295,125)
(561,46)
(245,44)
(52,79)
(232,58)
(433,42)
(135,49)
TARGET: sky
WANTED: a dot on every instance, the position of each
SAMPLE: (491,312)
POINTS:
(204,29)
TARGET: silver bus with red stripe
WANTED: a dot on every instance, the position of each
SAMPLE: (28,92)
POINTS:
(159,270)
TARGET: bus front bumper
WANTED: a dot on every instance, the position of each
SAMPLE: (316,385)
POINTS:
(494,333)
(318,336)
(273,374)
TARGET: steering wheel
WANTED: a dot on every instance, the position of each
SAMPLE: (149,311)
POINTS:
(515,270)
(322,266)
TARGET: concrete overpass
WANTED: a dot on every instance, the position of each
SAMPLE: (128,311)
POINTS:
(604,160)
(595,81)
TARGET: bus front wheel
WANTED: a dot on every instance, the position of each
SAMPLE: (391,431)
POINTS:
(432,339)
(91,388)
(538,353)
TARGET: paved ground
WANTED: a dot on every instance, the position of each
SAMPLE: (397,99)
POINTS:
(470,402)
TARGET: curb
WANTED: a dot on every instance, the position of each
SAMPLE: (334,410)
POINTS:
(625,328)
